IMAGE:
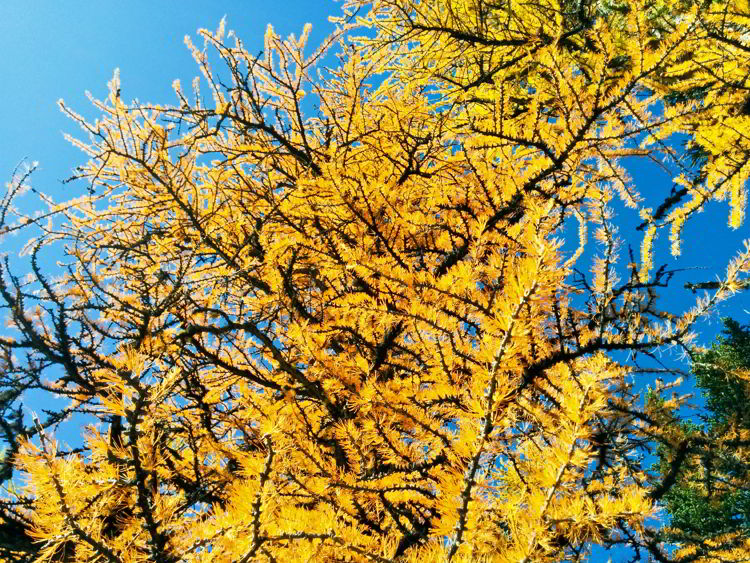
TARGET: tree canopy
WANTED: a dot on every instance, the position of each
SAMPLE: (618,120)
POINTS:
(333,305)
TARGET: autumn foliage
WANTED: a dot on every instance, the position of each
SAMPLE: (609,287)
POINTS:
(339,303)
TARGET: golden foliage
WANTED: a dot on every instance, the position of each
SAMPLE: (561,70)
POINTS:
(357,336)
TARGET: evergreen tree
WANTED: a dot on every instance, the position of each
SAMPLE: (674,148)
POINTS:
(709,502)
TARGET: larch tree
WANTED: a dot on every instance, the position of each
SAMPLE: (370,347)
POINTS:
(333,311)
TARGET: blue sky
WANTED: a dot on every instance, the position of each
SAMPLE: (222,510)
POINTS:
(52,49)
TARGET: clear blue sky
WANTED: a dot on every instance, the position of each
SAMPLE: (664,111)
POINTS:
(53,49)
